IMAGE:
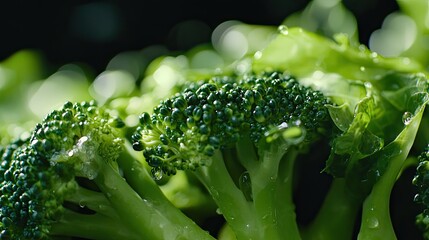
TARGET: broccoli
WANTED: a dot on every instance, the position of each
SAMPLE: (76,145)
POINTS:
(421,181)
(247,137)
(72,178)
(380,103)
(241,137)
(306,140)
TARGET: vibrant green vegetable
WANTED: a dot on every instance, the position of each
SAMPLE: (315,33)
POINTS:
(309,138)
(73,178)
(421,181)
(252,123)
(242,138)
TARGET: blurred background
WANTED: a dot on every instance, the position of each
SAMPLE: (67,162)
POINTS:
(93,32)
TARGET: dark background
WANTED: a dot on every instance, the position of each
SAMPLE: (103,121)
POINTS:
(92,32)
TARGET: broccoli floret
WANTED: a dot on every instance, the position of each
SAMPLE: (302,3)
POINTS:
(71,178)
(421,181)
(240,136)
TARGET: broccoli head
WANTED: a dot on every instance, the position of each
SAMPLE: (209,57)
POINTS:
(68,180)
(240,136)
(185,131)
(40,175)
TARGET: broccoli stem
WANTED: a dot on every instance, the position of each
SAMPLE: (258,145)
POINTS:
(136,213)
(272,188)
(340,208)
(284,204)
(230,199)
(174,221)
(376,222)
(103,224)
(91,226)
(96,201)
(271,179)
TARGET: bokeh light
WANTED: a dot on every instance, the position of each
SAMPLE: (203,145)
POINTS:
(67,84)
(396,35)
(111,84)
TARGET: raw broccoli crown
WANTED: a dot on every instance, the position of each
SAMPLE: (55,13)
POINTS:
(421,181)
(185,130)
(38,175)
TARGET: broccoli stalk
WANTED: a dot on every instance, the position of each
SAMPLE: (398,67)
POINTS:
(376,221)
(259,124)
(66,181)
(263,206)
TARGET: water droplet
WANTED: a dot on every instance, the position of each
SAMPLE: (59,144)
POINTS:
(373,222)
(214,193)
(246,185)
(81,204)
(362,48)
(407,117)
(294,135)
(368,85)
(374,55)
(71,153)
(362,69)
(157,175)
(283,29)
(257,55)
(406,61)
(132,169)
(218,211)
(218,70)
(421,82)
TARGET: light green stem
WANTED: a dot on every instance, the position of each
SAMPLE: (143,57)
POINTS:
(137,214)
(272,190)
(91,226)
(376,222)
(230,199)
(93,200)
(284,204)
(174,222)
